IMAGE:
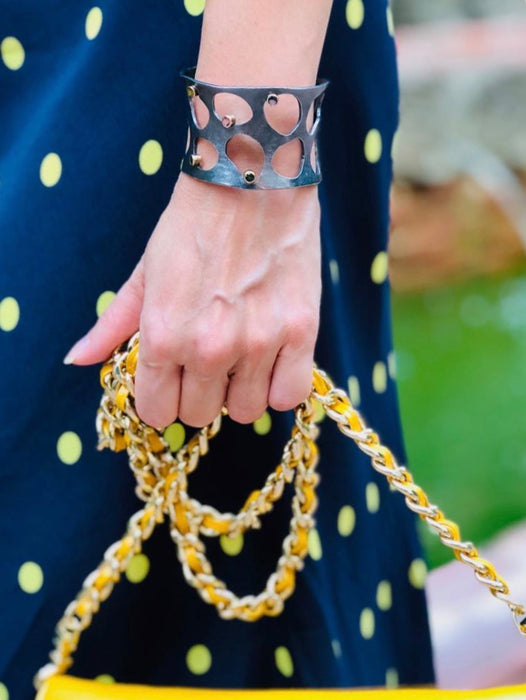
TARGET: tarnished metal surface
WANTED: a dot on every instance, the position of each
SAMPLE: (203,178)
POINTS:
(219,131)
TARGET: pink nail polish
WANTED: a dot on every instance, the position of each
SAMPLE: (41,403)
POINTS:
(75,350)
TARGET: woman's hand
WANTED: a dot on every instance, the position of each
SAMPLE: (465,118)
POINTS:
(226,297)
(227,293)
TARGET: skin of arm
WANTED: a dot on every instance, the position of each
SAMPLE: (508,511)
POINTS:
(227,292)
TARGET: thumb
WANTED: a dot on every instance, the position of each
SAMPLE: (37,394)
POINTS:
(118,322)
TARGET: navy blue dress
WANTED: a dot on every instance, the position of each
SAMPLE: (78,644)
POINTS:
(92,131)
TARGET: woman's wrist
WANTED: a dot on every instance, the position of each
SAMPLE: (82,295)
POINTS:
(244,151)
(242,44)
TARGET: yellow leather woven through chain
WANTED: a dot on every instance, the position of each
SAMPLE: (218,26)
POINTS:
(162,483)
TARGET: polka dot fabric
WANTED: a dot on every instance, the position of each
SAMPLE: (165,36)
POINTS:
(93,131)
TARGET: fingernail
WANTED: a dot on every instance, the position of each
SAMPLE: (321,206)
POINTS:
(75,350)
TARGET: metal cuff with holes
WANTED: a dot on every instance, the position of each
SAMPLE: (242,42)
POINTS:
(220,129)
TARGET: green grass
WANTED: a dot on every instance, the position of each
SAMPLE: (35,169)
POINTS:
(461,368)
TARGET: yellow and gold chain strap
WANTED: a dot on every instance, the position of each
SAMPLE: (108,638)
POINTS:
(162,483)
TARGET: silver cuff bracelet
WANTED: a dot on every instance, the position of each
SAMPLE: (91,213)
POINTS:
(219,130)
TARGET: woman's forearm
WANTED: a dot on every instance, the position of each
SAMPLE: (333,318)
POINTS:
(262,42)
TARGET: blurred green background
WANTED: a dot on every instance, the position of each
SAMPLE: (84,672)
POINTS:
(457,261)
(460,354)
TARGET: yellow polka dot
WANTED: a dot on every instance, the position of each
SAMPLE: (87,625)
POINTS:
(263,424)
(105,678)
(194,7)
(231,545)
(391,364)
(384,595)
(138,568)
(372,497)
(353,386)
(103,301)
(69,447)
(379,377)
(175,435)
(346,520)
(390,21)
(336,648)
(13,54)
(4,693)
(93,22)
(150,157)
(373,146)
(198,659)
(417,573)
(319,412)
(354,13)
(335,271)
(284,662)
(9,313)
(50,170)
(314,545)
(367,623)
(380,267)
(391,678)
(30,577)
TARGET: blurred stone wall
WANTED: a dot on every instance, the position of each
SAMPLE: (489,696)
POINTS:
(411,11)
(459,198)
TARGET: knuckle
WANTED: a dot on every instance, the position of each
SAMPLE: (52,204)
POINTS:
(157,346)
(282,402)
(303,327)
(212,353)
(208,363)
(244,414)
(148,415)
(195,420)
(292,396)
(259,344)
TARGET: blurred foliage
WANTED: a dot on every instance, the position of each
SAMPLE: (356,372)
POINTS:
(461,369)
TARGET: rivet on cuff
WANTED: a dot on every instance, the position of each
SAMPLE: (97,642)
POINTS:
(228,120)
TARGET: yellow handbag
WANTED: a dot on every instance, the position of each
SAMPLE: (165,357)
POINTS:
(162,484)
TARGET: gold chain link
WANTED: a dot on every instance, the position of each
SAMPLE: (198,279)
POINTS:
(162,483)
(338,406)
